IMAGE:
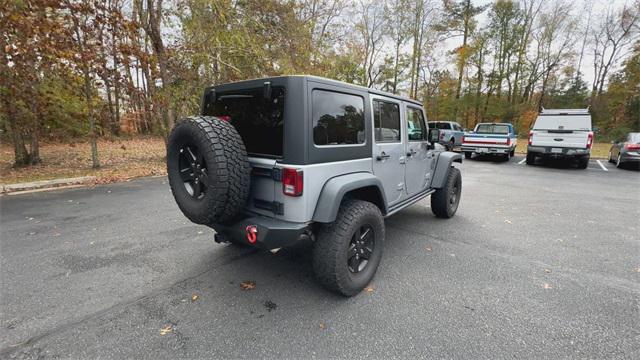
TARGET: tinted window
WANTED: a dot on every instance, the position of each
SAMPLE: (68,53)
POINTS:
(338,119)
(386,118)
(415,124)
(492,129)
(440,125)
(259,121)
(457,127)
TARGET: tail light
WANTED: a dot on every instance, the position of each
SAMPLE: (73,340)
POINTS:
(508,141)
(292,182)
(226,118)
(631,146)
(530,137)
(463,139)
(590,140)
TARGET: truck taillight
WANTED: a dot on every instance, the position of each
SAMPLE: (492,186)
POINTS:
(632,146)
(590,140)
(463,138)
(508,141)
(530,137)
(292,182)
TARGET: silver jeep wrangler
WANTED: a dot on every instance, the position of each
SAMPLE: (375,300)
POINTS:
(273,161)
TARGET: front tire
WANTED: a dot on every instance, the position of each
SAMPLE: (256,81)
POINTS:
(445,201)
(347,252)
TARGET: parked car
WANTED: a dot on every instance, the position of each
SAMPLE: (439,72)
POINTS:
(490,138)
(625,151)
(561,133)
(450,133)
(270,162)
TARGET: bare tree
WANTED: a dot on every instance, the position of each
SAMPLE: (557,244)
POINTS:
(371,29)
(610,38)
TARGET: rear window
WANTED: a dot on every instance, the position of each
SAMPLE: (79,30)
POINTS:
(634,137)
(440,125)
(563,122)
(492,129)
(259,120)
(386,117)
(338,119)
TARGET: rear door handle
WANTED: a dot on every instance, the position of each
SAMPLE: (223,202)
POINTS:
(382,156)
(411,153)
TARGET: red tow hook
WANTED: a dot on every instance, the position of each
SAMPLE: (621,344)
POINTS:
(252,233)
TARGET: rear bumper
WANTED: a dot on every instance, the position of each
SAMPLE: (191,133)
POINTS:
(564,152)
(271,233)
(630,157)
(486,149)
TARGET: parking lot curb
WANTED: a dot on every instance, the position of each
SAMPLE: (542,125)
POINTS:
(46,184)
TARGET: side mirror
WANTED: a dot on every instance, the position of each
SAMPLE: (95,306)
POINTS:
(434,135)
(596,129)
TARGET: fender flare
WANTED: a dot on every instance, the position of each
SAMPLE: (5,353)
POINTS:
(443,163)
(335,189)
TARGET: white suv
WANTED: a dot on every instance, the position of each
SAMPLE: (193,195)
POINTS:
(563,133)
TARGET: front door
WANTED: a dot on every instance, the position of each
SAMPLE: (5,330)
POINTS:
(419,157)
(389,154)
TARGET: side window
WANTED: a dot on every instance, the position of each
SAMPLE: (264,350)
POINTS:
(386,119)
(338,119)
(457,127)
(415,125)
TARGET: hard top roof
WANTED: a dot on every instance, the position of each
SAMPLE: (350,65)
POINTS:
(333,83)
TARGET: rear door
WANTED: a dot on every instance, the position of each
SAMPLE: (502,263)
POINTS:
(419,158)
(389,156)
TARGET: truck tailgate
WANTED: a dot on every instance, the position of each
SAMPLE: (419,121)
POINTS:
(486,140)
(560,138)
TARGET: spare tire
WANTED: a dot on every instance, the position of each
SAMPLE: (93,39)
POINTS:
(208,169)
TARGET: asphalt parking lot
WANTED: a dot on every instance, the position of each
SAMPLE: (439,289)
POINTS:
(539,262)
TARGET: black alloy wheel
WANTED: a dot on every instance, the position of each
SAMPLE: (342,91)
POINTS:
(193,171)
(360,248)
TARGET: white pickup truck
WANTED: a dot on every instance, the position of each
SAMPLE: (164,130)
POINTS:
(565,133)
(490,138)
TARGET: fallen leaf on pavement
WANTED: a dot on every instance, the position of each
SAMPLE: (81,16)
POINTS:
(194,297)
(638,269)
(548,271)
(508,221)
(368,289)
(428,248)
(248,285)
(322,326)
(546,286)
(165,330)
(200,232)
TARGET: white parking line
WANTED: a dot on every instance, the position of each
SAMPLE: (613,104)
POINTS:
(602,166)
(522,161)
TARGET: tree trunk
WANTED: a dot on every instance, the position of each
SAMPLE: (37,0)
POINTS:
(92,126)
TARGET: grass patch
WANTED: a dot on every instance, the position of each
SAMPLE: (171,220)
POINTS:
(121,159)
(599,150)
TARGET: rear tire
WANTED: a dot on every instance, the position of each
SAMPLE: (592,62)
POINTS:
(208,169)
(445,201)
(513,153)
(619,163)
(347,252)
(583,162)
(468,154)
(531,158)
